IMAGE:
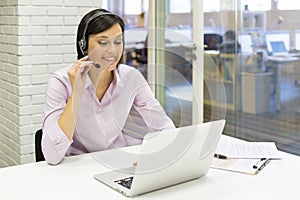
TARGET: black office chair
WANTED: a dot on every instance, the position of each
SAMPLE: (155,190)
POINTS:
(39,156)
(212,41)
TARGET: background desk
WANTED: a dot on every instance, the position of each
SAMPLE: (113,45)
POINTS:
(277,63)
(73,179)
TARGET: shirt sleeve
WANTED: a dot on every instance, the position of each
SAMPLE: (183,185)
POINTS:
(149,107)
(54,142)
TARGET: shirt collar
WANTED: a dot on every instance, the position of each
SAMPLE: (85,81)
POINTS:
(117,77)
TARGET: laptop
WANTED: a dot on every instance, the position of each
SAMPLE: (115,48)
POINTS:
(166,158)
(279,49)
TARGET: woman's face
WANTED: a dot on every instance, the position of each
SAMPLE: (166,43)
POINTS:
(106,48)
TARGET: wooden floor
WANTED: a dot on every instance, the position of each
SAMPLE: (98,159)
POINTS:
(266,127)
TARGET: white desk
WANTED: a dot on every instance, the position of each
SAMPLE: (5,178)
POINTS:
(277,63)
(73,179)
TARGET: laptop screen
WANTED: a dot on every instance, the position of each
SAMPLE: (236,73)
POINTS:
(278,47)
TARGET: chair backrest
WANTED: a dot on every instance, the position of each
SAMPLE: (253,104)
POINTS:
(212,41)
(39,156)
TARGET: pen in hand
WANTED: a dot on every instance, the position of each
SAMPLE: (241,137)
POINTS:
(219,156)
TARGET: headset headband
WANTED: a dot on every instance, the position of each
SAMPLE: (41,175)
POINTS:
(82,42)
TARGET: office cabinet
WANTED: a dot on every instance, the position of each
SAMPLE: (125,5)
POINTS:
(222,80)
(256,92)
(219,80)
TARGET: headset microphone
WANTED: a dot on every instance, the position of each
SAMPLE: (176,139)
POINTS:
(93,63)
(96,65)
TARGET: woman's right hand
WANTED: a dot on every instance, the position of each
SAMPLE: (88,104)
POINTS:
(77,74)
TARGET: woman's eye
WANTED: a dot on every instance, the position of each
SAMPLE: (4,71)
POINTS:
(102,43)
(118,42)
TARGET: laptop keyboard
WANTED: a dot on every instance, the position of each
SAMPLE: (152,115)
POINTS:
(126,182)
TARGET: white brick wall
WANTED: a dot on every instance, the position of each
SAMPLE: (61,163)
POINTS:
(36,38)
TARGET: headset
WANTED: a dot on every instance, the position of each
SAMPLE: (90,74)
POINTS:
(82,42)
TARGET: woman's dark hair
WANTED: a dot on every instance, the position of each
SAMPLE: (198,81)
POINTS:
(90,25)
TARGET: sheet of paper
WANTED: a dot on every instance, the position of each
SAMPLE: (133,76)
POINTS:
(248,150)
(248,166)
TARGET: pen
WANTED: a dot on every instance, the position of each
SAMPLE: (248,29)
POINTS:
(219,156)
(263,165)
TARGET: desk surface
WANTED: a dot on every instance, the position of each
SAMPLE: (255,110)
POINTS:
(73,179)
(282,59)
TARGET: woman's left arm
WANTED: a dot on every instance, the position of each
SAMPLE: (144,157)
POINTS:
(150,109)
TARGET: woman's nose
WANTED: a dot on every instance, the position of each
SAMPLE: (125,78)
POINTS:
(111,47)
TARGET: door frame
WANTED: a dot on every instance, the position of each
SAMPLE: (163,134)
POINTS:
(157,18)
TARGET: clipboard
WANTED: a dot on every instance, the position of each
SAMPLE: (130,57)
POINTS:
(247,166)
(244,157)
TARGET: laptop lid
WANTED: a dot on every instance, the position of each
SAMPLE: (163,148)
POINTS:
(278,48)
(177,155)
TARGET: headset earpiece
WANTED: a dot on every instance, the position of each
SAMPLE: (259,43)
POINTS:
(82,45)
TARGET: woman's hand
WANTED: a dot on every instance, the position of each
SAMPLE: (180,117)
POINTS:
(77,74)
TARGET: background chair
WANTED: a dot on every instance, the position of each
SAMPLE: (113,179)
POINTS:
(39,156)
(212,41)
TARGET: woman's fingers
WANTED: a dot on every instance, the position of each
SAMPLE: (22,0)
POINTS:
(79,66)
(78,72)
(84,69)
(85,66)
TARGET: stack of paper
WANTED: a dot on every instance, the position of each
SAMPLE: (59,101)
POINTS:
(249,150)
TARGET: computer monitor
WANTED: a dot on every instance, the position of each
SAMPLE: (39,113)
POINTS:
(246,43)
(297,40)
(178,35)
(278,48)
(135,35)
(277,36)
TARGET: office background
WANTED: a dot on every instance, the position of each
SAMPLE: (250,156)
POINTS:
(37,37)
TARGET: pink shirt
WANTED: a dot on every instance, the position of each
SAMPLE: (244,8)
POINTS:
(99,125)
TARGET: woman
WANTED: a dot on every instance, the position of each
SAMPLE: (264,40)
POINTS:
(87,104)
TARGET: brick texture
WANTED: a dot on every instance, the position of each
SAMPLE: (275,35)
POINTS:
(36,38)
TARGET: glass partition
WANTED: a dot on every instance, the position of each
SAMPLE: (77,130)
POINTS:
(262,91)
(255,90)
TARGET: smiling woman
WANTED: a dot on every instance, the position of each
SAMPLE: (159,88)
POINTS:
(87,104)
(106,48)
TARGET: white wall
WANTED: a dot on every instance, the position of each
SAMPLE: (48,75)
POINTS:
(37,37)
